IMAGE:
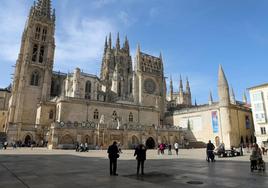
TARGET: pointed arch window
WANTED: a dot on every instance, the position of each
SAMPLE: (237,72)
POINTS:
(88,90)
(35,51)
(130,86)
(51,114)
(130,117)
(44,34)
(96,114)
(35,77)
(41,54)
(114,115)
(119,89)
(37,32)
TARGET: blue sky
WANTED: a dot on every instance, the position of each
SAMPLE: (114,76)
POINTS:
(194,36)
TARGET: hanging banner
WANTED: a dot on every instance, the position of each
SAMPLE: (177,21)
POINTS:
(247,122)
(215,123)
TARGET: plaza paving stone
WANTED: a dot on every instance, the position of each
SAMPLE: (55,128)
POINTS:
(40,168)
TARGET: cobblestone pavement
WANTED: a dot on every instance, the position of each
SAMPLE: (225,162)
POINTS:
(66,168)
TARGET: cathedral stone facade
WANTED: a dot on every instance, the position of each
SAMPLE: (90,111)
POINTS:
(125,103)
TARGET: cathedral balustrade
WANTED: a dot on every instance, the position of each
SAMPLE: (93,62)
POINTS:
(75,125)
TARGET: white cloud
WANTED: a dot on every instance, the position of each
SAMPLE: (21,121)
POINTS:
(81,40)
(12,18)
(126,19)
(101,3)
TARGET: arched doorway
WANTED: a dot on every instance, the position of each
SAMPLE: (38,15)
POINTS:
(150,143)
(88,140)
(66,139)
(135,140)
(28,140)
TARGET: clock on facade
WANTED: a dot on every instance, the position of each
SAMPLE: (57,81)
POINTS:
(149,86)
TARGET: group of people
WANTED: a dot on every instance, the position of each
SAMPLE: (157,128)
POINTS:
(81,147)
(161,148)
(113,154)
(140,154)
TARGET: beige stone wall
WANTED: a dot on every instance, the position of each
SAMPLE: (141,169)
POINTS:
(4,99)
(201,124)
(3,116)
(46,114)
(238,122)
(80,111)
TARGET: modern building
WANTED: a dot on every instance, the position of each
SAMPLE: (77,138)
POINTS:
(259,105)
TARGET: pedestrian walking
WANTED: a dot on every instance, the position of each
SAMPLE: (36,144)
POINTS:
(113,154)
(5,145)
(210,149)
(140,152)
(169,149)
(176,147)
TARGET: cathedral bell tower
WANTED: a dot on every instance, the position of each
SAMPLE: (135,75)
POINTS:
(32,78)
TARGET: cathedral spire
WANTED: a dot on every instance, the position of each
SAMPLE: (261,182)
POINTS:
(118,42)
(44,8)
(245,98)
(210,98)
(232,96)
(126,44)
(181,85)
(105,45)
(138,49)
(223,88)
(110,41)
(171,89)
(188,90)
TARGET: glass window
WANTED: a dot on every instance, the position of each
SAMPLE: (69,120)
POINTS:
(114,115)
(34,54)
(258,106)
(88,90)
(41,54)
(130,118)
(263,130)
(96,114)
(35,78)
(37,33)
(44,34)
(51,114)
(257,96)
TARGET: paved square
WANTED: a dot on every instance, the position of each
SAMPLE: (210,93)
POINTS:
(63,168)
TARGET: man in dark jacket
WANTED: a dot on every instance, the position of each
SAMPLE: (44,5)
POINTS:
(113,155)
(210,149)
(140,152)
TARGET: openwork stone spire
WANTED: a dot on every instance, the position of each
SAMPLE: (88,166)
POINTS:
(42,9)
